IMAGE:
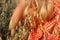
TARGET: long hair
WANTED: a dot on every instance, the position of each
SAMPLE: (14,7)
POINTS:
(43,8)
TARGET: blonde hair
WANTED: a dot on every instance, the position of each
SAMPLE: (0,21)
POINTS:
(44,7)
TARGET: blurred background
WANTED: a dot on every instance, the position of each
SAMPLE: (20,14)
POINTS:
(6,10)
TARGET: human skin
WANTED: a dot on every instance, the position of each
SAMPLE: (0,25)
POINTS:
(18,13)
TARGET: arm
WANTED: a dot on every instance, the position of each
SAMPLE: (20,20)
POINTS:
(16,16)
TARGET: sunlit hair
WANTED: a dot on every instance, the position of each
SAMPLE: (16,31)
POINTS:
(43,8)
